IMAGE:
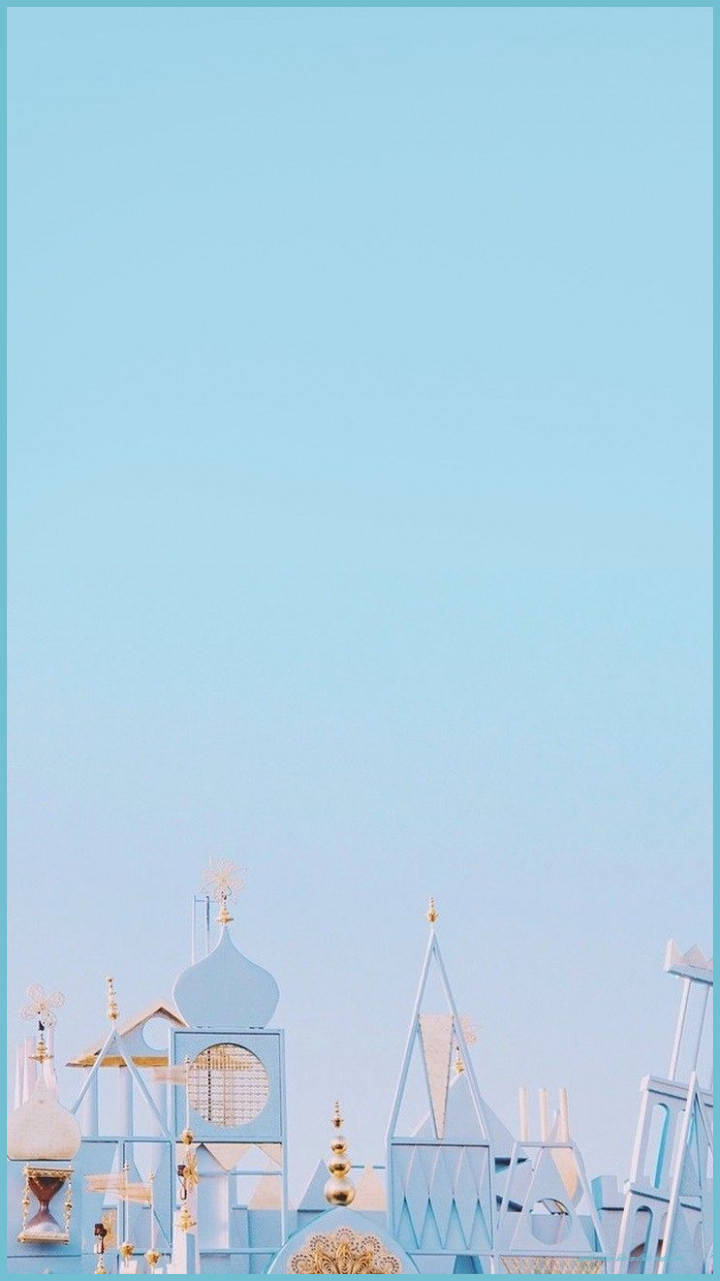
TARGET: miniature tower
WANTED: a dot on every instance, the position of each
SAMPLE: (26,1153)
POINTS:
(441,1175)
(230,1095)
(665,1224)
(42,1141)
(548,1221)
(127,1150)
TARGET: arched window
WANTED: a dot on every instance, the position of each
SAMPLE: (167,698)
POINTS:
(657,1143)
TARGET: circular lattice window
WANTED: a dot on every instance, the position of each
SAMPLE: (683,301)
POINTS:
(228,1085)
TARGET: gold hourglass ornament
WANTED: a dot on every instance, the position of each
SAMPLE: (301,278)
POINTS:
(43,1183)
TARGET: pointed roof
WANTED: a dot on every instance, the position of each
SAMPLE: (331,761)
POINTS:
(117,1049)
(435,1035)
(157,1009)
(461,1121)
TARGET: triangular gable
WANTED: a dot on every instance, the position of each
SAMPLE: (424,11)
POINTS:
(313,1198)
(160,1009)
(430,1031)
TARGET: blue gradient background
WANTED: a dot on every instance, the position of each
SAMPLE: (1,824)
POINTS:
(360,527)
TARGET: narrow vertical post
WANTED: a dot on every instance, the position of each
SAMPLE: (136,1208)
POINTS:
(679,1029)
(564,1117)
(524,1122)
(543,1098)
(678,1163)
(701,1027)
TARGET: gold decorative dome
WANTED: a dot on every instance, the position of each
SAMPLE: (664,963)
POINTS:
(42,1129)
(339,1189)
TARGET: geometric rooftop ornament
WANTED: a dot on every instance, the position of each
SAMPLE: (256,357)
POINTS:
(692,964)
(226,990)
(222,880)
(344,1251)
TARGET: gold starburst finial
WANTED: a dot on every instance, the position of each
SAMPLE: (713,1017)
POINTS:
(222,880)
(112,1005)
(432,912)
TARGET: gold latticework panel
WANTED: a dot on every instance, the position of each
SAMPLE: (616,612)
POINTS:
(344,1253)
(227,1085)
(551,1265)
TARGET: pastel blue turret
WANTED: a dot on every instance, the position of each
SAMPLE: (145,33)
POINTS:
(226,990)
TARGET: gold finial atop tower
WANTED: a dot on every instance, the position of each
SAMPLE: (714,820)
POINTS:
(459,1065)
(222,880)
(432,912)
(112,1005)
(339,1189)
(41,1006)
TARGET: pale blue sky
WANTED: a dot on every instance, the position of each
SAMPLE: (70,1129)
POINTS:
(360,526)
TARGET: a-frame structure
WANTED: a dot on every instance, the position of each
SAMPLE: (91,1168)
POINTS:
(441,1174)
(115,1143)
(548,1221)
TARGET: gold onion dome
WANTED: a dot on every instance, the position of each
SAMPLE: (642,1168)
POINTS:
(339,1189)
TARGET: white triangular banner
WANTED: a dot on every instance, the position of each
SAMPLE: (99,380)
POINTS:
(227,1155)
(273,1150)
(436,1034)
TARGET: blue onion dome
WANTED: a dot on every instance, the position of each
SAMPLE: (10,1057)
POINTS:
(225,990)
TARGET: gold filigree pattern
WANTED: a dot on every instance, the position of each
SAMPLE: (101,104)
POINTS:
(344,1253)
(222,880)
(554,1265)
(41,1004)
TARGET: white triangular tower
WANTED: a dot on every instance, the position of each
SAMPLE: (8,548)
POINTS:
(441,1185)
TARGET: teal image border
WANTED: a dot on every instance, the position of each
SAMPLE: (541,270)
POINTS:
(343,4)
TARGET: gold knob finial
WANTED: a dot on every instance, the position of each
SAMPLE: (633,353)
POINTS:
(459,1065)
(112,1005)
(339,1189)
(432,912)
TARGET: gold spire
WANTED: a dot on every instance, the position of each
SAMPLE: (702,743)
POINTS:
(432,912)
(339,1189)
(459,1065)
(112,1005)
